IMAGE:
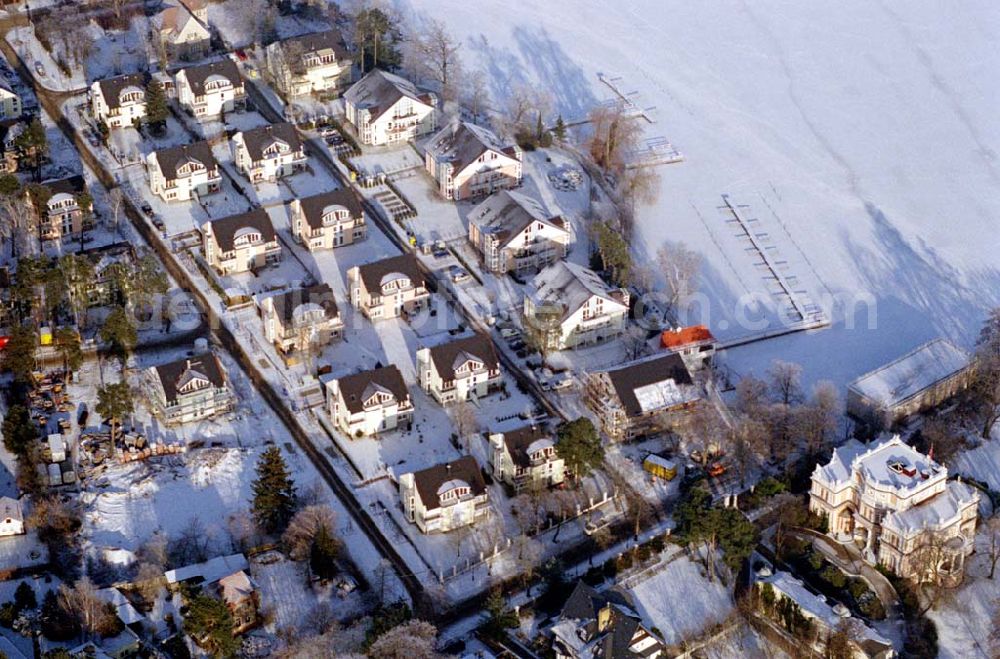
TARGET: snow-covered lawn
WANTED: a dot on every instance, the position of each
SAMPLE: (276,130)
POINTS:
(680,601)
(235,24)
(981,463)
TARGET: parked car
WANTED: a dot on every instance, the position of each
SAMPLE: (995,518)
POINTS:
(510,332)
(458,275)
(39,69)
(716,469)
(597,521)
(561,382)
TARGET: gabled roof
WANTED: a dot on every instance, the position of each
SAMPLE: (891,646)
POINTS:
(175,18)
(171,158)
(11,508)
(357,388)
(521,442)
(434,481)
(226,228)
(506,214)
(236,587)
(448,356)
(569,286)
(461,143)
(286,303)
(373,274)
(260,138)
(912,373)
(684,336)
(313,207)
(319,41)
(379,90)
(173,375)
(932,514)
(615,641)
(649,385)
(199,74)
(73,185)
(208,572)
(111,88)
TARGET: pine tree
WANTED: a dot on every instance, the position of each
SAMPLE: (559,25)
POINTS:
(273,492)
(24,597)
(19,353)
(210,623)
(33,146)
(323,554)
(560,130)
(19,431)
(119,331)
(114,402)
(579,445)
(157,110)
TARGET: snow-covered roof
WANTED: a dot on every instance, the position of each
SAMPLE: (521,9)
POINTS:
(379,91)
(126,612)
(938,512)
(506,214)
(889,463)
(813,606)
(210,571)
(461,143)
(907,376)
(569,286)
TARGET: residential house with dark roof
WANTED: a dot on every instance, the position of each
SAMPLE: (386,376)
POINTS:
(567,306)
(63,214)
(602,625)
(389,288)
(514,232)
(310,64)
(208,90)
(459,370)
(641,396)
(180,35)
(181,173)
(119,101)
(267,153)
(384,108)
(446,496)
(526,458)
(241,243)
(369,402)
(9,130)
(301,318)
(189,389)
(468,161)
(328,220)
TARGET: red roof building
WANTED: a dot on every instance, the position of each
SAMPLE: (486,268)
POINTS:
(695,344)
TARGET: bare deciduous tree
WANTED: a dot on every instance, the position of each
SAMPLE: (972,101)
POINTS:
(680,267)
(302,529)
(785,381)
(415,639)
(463,417)
(436,51)
(477,95)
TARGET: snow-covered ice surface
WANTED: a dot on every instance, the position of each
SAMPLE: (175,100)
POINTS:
(680,601)
(860,133)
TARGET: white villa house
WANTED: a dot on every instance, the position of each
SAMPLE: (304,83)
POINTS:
(526,458)
(567,306)
(268,153)
(514,232)
(636,398)
(180,34)
(189,389)
(11,517)
(387,109)
(446,496)
(468,161)
(328,220)
(899,507)
(388,288)
(309,64)
(301,318)
(11,106)
(63,214)
(208,90)
(241,243)
(181,173)
(119,101)
(459,370)
(369,402)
